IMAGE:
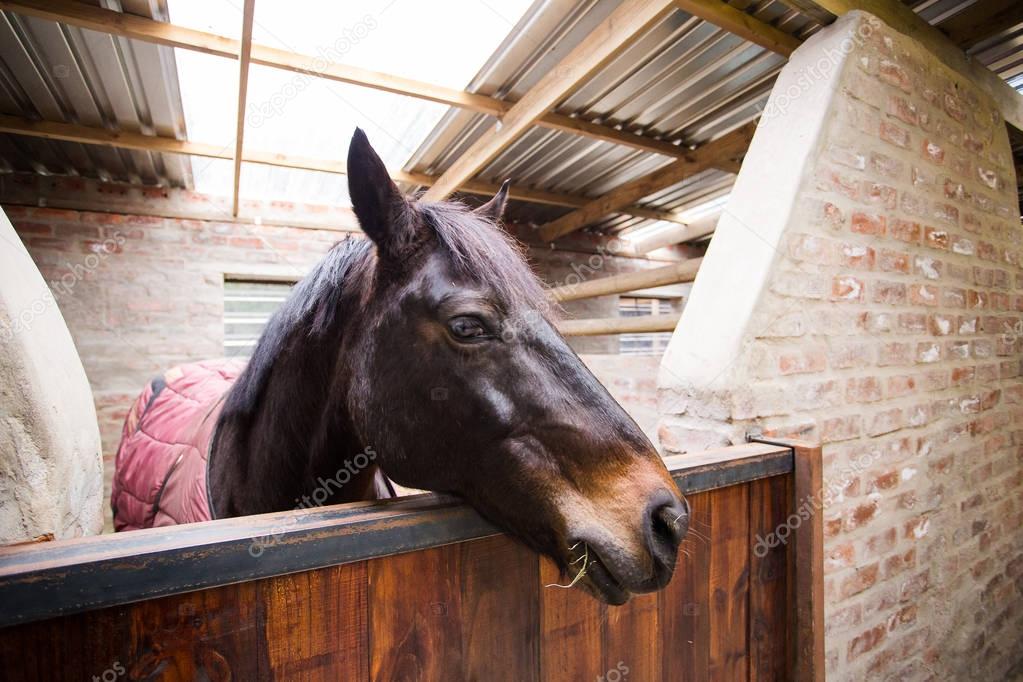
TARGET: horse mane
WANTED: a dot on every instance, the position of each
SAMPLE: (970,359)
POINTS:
(479,250)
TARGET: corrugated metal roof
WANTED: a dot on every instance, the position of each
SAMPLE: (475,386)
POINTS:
(1002,52)
(54,72)
(685,81)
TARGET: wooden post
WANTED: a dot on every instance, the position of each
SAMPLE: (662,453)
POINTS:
(806,561)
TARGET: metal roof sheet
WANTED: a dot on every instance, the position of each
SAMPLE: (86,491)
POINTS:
(54,72)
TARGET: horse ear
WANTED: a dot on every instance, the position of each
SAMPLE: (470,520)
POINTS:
(494,208)
(383,212)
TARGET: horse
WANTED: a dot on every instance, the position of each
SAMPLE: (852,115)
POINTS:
(429,351)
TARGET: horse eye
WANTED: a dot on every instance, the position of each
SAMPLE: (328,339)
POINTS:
(467,328)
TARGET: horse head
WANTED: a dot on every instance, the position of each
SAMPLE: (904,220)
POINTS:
(462,384)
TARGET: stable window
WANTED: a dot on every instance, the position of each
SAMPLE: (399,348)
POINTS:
(248,305)
(650,343)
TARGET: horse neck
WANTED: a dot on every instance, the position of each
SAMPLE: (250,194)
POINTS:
(296,448)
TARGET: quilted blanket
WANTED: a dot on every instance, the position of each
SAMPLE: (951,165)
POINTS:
(160,477)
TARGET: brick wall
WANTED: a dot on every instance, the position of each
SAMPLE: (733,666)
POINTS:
(884,269)
(142,293)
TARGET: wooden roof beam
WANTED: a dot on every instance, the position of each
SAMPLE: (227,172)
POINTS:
(630,19)
(643,324)
(127,140)
(676,273)
(248,14)
(729,147)
(744,25)
(161,33)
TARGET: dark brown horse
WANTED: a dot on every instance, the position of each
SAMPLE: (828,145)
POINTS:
(429,347)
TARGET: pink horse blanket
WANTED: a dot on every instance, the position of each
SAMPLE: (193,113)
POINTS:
(160,475)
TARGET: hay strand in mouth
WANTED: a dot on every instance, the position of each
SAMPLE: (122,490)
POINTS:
(582,571)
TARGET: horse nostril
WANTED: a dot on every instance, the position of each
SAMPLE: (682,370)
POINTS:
(669,523)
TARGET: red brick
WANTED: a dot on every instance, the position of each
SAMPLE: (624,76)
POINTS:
(857,256)
(894,354)
(899,386)
(933,152)
(847,288)
(893,74)
(923,294)
(802,362)
(886,165)
(863,390)
(942,325)
(903,110)
(880,195)
(894,261)
(866,641)
(906,231)
(936,238)
(868,223)
(896,135)
(890,293)
(864,577)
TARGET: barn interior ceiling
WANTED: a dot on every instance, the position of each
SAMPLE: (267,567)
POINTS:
(160,97)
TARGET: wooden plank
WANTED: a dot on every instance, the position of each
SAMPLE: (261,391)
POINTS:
(728,147)
(415,615)
(67,648)
(684,271)
(768,591)
(316,624)
(244,58)
(571,630)
(211,634)
(685,606)
(500,610)
(982,20)
(619,325)
(729,584)
(741,24)
(904,20)
(630,19)
(584,128)
(631,640)
(125,25)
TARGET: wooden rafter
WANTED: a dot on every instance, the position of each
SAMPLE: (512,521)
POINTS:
(730,147)
(643,324)
(741,24)
(126,140)
(161,33)
(244,56)
(630,19)
(904,20)
(684,271)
